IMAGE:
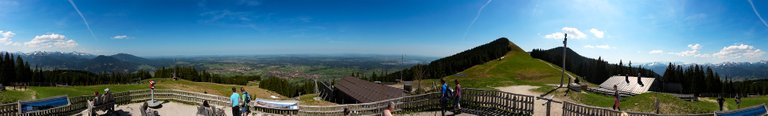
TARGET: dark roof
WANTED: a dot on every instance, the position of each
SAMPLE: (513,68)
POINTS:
(365,91)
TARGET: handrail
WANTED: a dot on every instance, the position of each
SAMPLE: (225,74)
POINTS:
(475,101)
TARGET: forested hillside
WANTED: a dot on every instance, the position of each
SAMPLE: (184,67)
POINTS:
(592,70)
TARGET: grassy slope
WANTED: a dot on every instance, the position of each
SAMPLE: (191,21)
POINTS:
(746,102)
(517,68)
(645,103)
(211,88)
(14,95)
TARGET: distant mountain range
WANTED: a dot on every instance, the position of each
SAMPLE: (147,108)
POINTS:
(246,64)
(732,70)
(83,61)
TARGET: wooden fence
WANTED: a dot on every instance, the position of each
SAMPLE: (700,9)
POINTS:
(474,101)
(572,109)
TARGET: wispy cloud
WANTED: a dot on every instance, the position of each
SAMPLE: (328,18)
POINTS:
(120,37)
(598,46)
(476,16)
(573,32)
(598,34)
(83,17)
(758,14)
(656,52)
(694,50)
(5,38)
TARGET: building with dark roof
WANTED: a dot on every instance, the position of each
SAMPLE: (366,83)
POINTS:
(355,90)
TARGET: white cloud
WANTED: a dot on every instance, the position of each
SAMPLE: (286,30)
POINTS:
(573,32)
(51,41)
(656,52)
(694,51)
(5,38)
(120,37)
(739,51)
(598,46)
(597,33)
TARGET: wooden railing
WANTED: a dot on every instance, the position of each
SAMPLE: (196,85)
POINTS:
(79,103)
(572,109)
(475,101)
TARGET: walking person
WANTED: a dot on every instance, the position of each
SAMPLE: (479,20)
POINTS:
(617,98)
(457,96)
(445,94)
(246,99)
(235,99)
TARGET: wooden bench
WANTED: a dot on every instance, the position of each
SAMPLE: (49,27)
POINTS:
(104,103)
(209,111)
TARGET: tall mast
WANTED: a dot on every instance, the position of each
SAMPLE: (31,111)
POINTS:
(565,47)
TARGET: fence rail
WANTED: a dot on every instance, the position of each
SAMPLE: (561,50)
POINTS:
(572,109)
(474,101)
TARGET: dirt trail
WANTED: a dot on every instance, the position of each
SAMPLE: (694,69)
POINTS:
(539,106)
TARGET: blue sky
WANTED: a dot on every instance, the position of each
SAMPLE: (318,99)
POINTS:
(709,31)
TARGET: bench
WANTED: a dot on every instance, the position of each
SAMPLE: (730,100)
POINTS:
(209,111)
(105,103)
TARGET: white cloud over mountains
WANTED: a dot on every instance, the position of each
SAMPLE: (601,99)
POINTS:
(735,52)
(738,52)
(693,51)
(51,41)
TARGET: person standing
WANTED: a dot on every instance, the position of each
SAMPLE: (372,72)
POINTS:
(246,99)
(617,98)
(445,93)
(235,99)
(389,110)
(720,101)
(457,96)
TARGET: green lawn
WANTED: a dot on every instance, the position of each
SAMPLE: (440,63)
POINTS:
(14,95)
(645,103)
(44,92)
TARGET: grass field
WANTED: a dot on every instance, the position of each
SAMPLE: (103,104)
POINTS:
(211,88)
(15,95)
(645,103)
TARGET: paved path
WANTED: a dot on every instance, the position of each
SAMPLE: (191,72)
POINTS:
(539,106)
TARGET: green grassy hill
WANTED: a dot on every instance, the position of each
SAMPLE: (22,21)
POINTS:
(517,67)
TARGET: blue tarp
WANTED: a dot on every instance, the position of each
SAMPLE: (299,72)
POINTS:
(43,104)
(751,111)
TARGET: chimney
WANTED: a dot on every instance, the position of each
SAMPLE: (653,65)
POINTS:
(639,80)
(626,78)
